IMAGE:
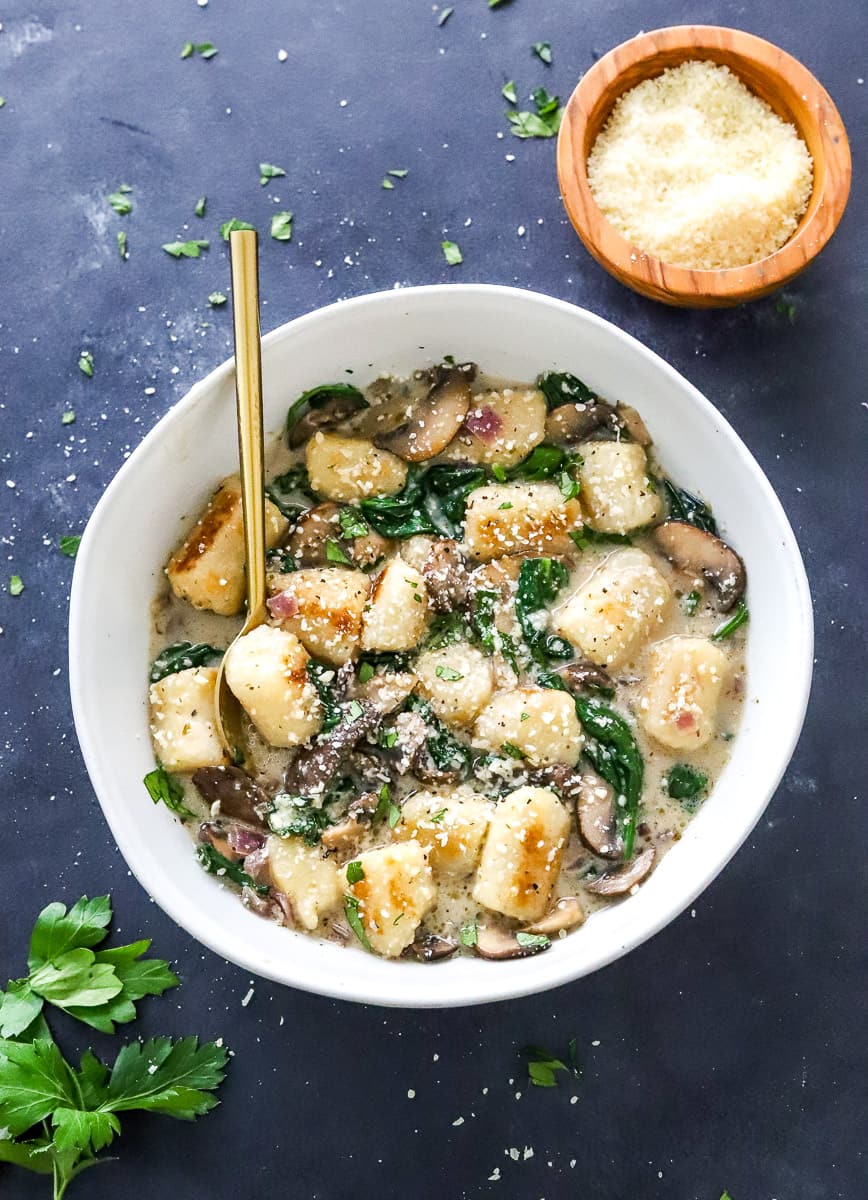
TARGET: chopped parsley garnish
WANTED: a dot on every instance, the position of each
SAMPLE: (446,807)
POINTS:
(444,16)
(366,672)
(216,299)
(187,50)
(205,49)
(452,253)
(352,524)
(231,225)
(399,172)
(351,911)
(85,363)
(387,184)
(355,872)
(3,98)
(438,816)
(123,248)
(16,585)
(690,603)
(544,123)
(354,711)
(190,249)
(334,553)
(469,934)
(281,227)
(787,309)
(296,816)
(508,92)
(684,782)
(542,1067)
(512,750)
(448,673)
(543,51)
(269,171)
(120,200)
(68,417)
(216,863)
(739,618)
(200,206)
(164,788)
(69,544)
(499,472)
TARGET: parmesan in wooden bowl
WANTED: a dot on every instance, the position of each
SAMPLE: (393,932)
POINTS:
(702,166)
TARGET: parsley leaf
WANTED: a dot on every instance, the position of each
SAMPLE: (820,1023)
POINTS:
(234,223)
(216,299)
(355,872)
(351,911)
(281,227)
(190,249)
(448,673)
(85,363)
(544,123)
(200,205)
(163,786)
(508,92)
(67,418)
(69,544)
(728,628)
(120,200)
(444,16)
(269,171)
(543,51)
(123,246)
(57,931)
(542,1067)
(207,49)
(452,253)
(16,585)
(387,184)
(352,524)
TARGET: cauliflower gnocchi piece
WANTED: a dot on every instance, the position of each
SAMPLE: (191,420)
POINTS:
(397,614)
(614,610)
(184,720)
(457,680)
(331,601)
(450,829)
(521,858)
(508,425)
(616,491)
(511,518)
(267,671)
(207,569)
(679,707)
(396,891)
(310,882)
(352,468)
(540,722)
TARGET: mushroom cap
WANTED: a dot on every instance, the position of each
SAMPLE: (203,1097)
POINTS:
(430,947)
(575,422)
(323,416)
(566,914)
(699,552)
(502,944)
(596,815)
(618,883)
(433,419)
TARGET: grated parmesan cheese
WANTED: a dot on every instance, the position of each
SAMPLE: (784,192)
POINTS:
(695,169)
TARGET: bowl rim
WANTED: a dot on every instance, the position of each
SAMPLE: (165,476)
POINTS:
(487,988)
(652,276)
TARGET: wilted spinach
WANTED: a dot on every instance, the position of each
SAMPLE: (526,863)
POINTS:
(446,488)
(559,387)
(291,492)
(612,749)
(319,397)
(401,516)
(180,656)
(296,816)
(216,863)
(447,753)
(685,507)
(332,711)
(539,581)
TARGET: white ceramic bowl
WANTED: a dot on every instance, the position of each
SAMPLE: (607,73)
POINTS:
(169,477)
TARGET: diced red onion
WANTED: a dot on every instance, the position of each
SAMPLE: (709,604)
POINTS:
(255,862)
(245,841)
(484,423)
(284,604)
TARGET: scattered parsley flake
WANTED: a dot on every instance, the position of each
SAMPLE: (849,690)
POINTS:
(351,911)
(438,816)
(444,16)
(281,227)
(85,363)
(399,172)
(16,585)
(3,98)
(452,253)
(366,672)
(161,786)
(230,226)
(543,51)
(354,710)
(207,49)
(334,553)
(512,750)
(387,184)
(123,249)
(120,200)
(787,309)
(448,673)
(351,523)
(200,206)
(215,299)
(190,249)
(69,544)
(355,872)
(469,934)
(508,92)
(67,418)
(269,171)
(187,50)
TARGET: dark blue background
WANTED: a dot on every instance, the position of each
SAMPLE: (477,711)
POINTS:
(730,1051)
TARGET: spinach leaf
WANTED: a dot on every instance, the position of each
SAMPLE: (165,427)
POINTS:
(559,387)
(539,581)
(291,492)
(612,749)
(738,618)
(319,397)
(332,711)
(487,633)
(446,629)
(446,488)
(400,516)
(296,816)
(216,863)
(685,507)
(447,753)
(586,536)
(162,786)
(180,656)
(542,463)
(685,783)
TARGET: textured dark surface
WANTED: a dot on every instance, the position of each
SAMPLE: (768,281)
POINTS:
(730,1051)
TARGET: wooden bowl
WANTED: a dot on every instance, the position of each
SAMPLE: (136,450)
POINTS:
(788,87)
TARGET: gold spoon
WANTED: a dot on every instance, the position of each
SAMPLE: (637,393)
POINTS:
(243,253)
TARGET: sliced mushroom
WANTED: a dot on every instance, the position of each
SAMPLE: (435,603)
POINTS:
(575,422)
(435,418)
(618,883)
(331,412)
(698,552)
(233,789)
(596,816)
(446,576)
(565,780)
(633,425)
(387,692)
(430,947)
(502,944)
(315,766)
(587,674)
(342,837)
(215,834)
(309,540)
(566,914)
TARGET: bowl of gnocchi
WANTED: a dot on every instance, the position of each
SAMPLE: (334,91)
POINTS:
(537,653)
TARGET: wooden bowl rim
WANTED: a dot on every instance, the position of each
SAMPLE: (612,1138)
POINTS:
(727,284)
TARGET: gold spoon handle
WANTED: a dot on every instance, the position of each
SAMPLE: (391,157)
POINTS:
(243,251)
